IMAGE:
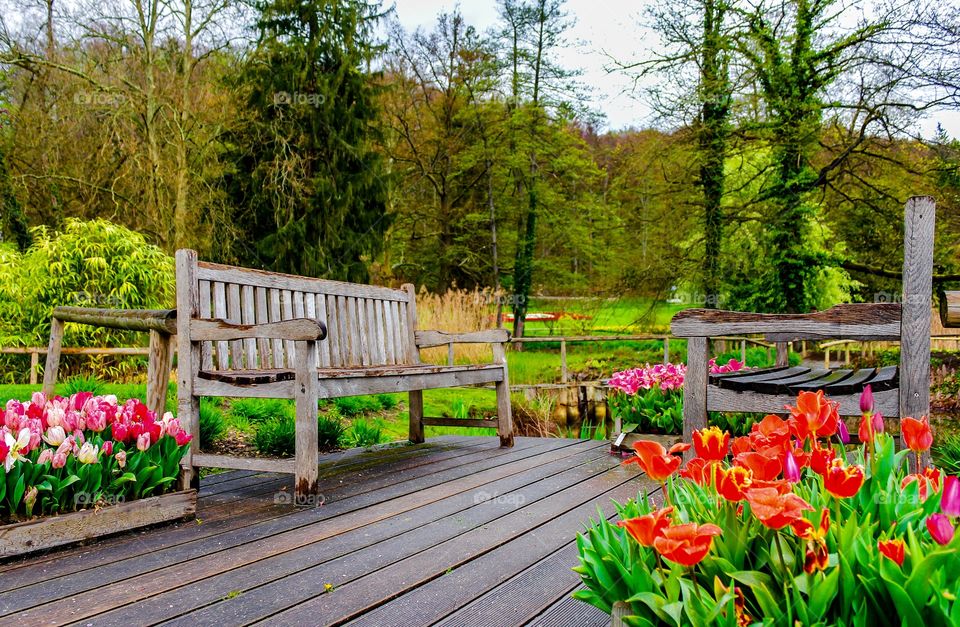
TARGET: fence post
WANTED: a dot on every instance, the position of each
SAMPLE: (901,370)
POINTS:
(34,366)
(449,353)
(783,355)
(743,351)
(53,356)
(666,350)
(563,360)
(158,371)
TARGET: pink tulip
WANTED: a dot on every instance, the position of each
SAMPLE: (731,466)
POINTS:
(121,457)
(107,448)
(940,528)
(791,471)
(842,432)
(182,437)
(55,436)
(866,400)
(97,421)
(143,441)
(46,455)
(950,500)
(59,460)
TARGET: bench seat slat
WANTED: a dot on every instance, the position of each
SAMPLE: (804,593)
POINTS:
(273,375)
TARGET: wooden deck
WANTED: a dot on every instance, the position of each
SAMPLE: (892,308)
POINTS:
(456,531)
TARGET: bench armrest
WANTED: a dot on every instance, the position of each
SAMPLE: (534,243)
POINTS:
(880,321)
(426,339)
(216,329)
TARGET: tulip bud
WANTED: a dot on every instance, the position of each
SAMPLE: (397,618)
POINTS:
(950,500)
(842,432)
(46,455)
(877,422)
(88,454)
(866,400)
(940,528)
(29,498)
(143,442)
(107,447)
(55,436)
(791,471)
(121,457)
(59,460)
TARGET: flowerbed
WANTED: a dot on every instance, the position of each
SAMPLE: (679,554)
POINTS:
(65,454)
(780,528)
(650,399)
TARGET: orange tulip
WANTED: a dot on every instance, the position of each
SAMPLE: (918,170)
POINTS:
(813,416)
(821,458)
(773,509)
(699,471)
(817,557)
(773,428)
(731,482)
(762,466)
(647,528)
(686,544)
(843,481)
(711,444)
(917,434)
(654,460)
(928,481)
(894,549)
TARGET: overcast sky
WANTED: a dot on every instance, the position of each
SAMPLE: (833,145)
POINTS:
(604,29)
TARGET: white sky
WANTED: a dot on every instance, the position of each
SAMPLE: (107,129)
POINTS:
(603,27)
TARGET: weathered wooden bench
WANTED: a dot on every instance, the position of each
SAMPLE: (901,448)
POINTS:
(250,333)
(898,391)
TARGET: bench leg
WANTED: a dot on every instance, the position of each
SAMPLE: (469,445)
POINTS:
(306,488)
(504,415)
(416,416)
(188,410)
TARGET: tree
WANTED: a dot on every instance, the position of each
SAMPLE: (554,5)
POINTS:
(308,184)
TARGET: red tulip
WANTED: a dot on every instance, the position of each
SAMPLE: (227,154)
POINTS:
(893,549)
(647,528)
(821,458)
(940,528)
(817,557)
(711,444)
(731,482)
(773,509)
(928,481)
(950,499)
(699,471)
(814,415)
(686,544)
(916,434)
(763,467)
(654,460)
(843,481)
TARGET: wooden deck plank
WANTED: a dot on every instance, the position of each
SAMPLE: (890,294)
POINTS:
(511,543)
(237,510)
(183,564)
(569,611)
(370,547)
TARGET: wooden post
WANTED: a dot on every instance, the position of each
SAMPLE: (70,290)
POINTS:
(666,350)
(563,360)
(743,351)
(916,309)
(826,358)
(305,397)
(158,371)
(846,355)
(53,356)
(504,412)
(188,360)
(783,355)
(695,388)
(450,353)
(34,366)
(415,397)
(950,309)
(415,402)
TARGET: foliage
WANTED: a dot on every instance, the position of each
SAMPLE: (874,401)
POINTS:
(277,437)
(331,432)
(309,189)
(363,433)
(92,264)
(946,453)
(257,410)
(75,385)
(350,406)
(113,453)
(792,532)
(213,424)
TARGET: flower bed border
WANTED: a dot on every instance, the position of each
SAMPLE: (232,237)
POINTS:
(22,538)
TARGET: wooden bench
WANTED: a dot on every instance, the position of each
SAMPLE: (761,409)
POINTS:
(250,333)
(898,391)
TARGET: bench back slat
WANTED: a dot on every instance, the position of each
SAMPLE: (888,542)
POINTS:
(366,325)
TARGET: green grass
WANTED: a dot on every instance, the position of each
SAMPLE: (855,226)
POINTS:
(626,315)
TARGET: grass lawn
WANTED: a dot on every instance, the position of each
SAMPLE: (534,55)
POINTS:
(614,316)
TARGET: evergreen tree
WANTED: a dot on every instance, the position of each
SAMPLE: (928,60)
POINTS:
(309,186)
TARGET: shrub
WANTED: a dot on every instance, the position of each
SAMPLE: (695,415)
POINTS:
(350,406)
(387,401)
(213,425)
(77,384)
(362,434)
(276,437)
(257,410)
(946,453)
(330,431)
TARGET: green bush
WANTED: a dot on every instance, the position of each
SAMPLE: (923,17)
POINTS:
(77,384)
(330,432)
(387,401)
(257,410)
(362,434)
(738,424)
(350,406)
(946,454)
(276,437)
(213,424)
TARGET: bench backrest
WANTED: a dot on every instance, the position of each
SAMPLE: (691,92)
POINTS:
(367,325)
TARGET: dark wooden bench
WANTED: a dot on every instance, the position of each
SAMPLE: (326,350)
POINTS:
(249,333)
(898,391)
